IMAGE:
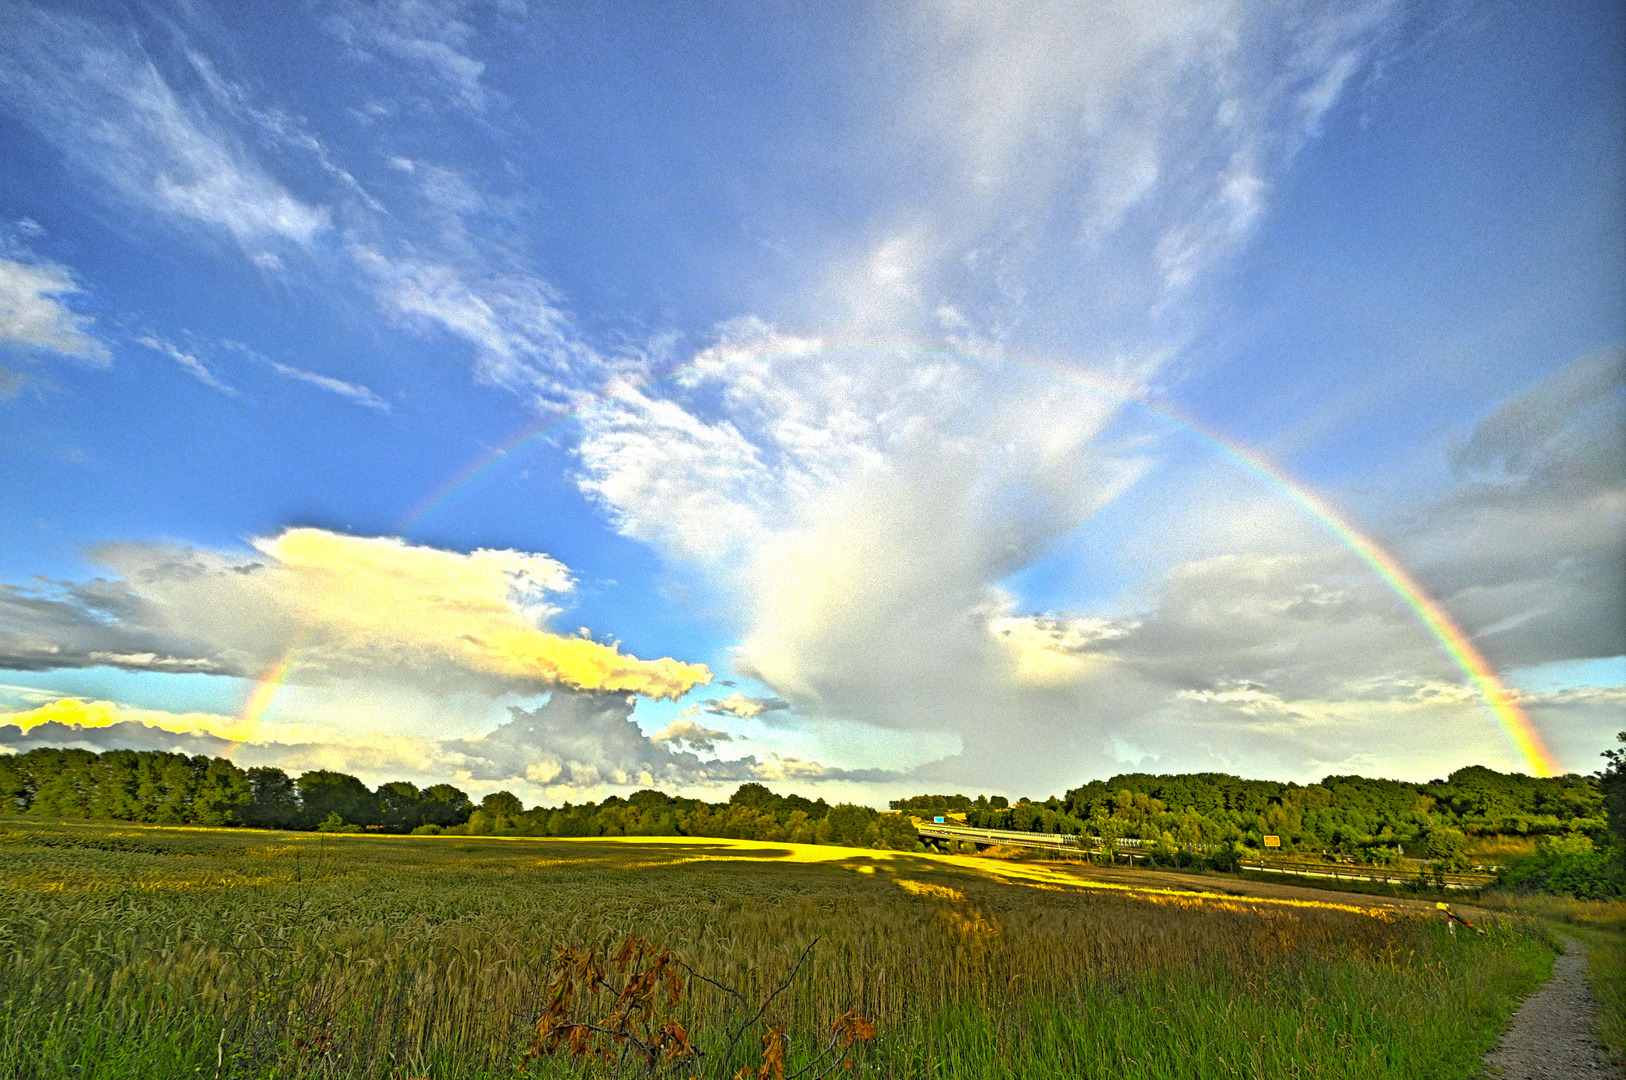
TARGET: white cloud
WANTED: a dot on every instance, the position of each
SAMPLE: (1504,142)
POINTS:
(697,737)
(864,507)
(584,741)
(334,607)
(115,117)
(353,391)
(33,315)
(1071,167)
(430,35)
(188,362)
(190,159)
(743,706)
(523,339)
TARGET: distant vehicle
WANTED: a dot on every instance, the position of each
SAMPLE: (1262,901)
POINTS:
(937,821)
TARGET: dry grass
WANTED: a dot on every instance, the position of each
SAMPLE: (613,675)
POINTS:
(132,951)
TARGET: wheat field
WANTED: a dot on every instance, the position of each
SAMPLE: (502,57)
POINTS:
(156,952)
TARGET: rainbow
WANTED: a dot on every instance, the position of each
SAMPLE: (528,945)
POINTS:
(265,688)
(1500,701)
(1457,645)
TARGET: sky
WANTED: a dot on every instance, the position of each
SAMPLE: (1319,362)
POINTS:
(860,399)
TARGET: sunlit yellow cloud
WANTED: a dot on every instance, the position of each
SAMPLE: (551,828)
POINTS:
(1048,652)
(318,606)
(101,714)
(293,746)
(481,610)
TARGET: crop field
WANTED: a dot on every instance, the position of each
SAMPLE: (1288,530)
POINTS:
(133,951)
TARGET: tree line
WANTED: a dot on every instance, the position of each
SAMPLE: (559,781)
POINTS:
(177,789)
(1569,831)
(1572,828)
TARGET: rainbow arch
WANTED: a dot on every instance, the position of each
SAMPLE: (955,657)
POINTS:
(1495,695)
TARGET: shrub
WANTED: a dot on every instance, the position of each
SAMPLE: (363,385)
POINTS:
(1566,866)
(334,823)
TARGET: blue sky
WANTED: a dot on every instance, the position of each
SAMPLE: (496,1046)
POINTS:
(854,334)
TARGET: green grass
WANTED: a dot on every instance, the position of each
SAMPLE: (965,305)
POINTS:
(149,952)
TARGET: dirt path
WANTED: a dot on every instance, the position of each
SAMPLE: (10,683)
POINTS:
(1554,1032)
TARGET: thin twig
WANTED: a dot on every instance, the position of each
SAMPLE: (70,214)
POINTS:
(751,1023)
(708,979)
(831,1045)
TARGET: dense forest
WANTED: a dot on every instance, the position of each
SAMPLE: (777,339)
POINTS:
(1560,833)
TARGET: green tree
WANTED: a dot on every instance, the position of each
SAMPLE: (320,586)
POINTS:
(445,806)
(897,832)
(1612,784)
(273,801)
(846,824)
(322,793)
(400,806)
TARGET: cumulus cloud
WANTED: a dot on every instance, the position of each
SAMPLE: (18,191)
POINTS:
(106,725)
(580,740)
(697,737)
(115,117)
(744,706)
(860,505)
(338,606)
(121,735)
(34,316)
(864,507)
(1075,173)
(575,742)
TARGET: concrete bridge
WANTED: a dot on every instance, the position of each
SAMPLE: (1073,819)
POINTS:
(1133,849)
(1082,845)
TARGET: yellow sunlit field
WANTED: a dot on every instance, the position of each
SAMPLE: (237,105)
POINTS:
(154,952)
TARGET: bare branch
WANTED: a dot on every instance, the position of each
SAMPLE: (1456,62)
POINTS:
(734,1039)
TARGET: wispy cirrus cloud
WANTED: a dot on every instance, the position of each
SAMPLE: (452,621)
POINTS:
(95,96)
(431,36)
(355,392)
(187,362)
(193,148)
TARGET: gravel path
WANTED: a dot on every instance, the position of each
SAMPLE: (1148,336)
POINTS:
(1553,1033)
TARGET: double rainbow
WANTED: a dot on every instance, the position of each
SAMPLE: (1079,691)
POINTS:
(1503,706)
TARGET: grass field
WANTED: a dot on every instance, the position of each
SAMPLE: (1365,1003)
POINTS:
(152,952)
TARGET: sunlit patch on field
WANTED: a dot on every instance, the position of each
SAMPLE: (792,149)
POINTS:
(935,892)
(1053,876)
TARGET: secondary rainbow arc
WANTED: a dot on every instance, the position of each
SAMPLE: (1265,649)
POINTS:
(1498,699)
